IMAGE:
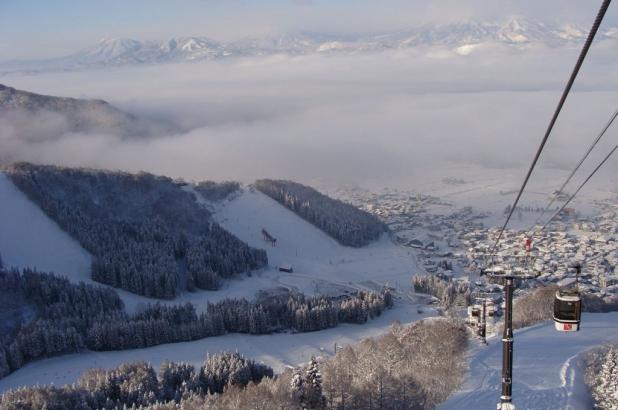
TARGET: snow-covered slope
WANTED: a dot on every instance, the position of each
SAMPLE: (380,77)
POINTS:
(546,372)
(317,259)
(28,238)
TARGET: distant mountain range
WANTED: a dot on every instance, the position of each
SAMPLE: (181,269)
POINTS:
(35,114)
(459,37)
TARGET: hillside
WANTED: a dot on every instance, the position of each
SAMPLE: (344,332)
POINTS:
(28,112)
(342,221)
(147,235)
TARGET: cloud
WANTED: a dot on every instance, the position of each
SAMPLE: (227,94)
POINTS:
(401,115)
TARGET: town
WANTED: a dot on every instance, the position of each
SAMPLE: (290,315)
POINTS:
(455,243)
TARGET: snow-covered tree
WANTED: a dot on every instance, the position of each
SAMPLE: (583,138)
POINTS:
(312,386)
(344,222)
(605,387)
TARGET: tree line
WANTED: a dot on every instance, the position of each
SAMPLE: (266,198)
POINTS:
(147,235)
(138,384)
(160,324)
(344,222)
(73,317)
(447,291)
(411,368)
(217,191)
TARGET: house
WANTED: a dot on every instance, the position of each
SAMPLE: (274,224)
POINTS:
(286,268)
(609,280)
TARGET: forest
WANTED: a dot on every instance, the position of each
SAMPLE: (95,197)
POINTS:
(146,234)
(217,191)
(344,222)
(411,367)
(53,316)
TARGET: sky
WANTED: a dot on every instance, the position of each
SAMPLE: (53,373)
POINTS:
(31,29)
(408,115)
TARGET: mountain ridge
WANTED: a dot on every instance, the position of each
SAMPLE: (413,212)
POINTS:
(26,110)
(514,32)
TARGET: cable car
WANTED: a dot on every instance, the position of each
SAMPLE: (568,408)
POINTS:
(567,310)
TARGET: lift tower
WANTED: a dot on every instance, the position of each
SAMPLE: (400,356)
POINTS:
(507,279)
(507,347)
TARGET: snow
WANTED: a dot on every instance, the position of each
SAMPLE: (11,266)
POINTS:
(27,236)
(547,369)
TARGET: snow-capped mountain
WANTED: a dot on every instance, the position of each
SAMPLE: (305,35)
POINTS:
(107,50)
(458,36)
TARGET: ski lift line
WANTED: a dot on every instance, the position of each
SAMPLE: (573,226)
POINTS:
(565,93)
(558,192)
(580,187)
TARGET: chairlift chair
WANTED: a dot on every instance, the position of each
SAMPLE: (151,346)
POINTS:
(491,308)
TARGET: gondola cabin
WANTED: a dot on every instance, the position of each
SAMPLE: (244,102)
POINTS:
(567,310)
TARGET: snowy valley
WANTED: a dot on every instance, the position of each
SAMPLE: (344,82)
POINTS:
(304,260)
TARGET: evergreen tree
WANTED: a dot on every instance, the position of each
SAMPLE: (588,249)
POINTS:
(297,386)
(312,387)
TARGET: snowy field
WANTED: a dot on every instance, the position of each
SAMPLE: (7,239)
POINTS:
(547,368)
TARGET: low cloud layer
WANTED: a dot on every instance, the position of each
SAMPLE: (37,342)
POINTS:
(394,116)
